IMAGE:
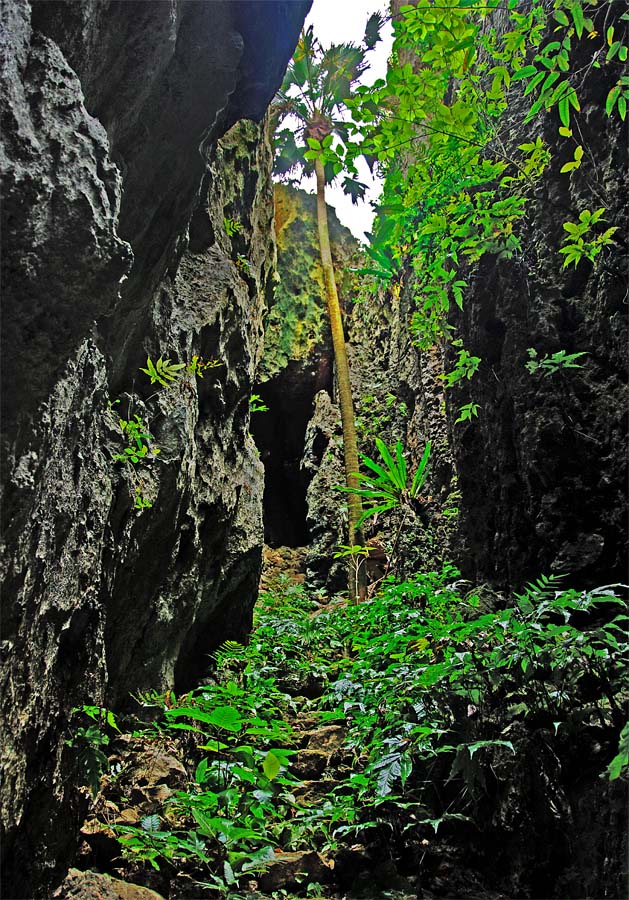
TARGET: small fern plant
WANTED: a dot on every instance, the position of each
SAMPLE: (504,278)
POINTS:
(163,372)
(387,486)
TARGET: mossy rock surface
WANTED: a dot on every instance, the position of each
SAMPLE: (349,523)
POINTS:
(297,324)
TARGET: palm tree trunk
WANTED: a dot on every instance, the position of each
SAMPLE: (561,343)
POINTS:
(357,588)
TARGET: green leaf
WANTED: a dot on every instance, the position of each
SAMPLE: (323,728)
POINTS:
(225,718)
(524,72)
(421,474)
(371,464)
(534,83)
(621,761)
(271,766)
(479,745)
(406,767)
(577,17)
(258,859)
(393,473)
(374,511)
(612,97)
(228,874)
(201,769)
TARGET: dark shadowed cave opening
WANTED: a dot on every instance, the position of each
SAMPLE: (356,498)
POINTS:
(279,435)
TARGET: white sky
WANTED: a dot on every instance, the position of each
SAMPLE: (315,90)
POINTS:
(335,22)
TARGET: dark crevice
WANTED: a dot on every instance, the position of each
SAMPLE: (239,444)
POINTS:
(279,434)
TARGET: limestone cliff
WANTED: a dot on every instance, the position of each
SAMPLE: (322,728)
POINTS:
(539,477)
(135,223)
(542,471)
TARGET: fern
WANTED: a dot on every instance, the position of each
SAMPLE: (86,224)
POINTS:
(163,372)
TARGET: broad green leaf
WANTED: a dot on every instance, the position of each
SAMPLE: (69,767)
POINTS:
(271,765)
(201,769)
(612,97)
(392,472)
(228,874)
(577,17)
(226,718)
(524,72)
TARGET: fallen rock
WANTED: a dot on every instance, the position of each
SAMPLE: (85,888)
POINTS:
(327,737)
(310,764)
(287,870)
(311,793)
(91,885)
(102,843)
(158,768)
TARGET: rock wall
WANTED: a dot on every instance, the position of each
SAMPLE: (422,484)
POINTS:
(539,478)
(543,470)
(128,231)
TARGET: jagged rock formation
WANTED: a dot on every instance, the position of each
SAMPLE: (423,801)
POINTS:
(128,231)
(542,471)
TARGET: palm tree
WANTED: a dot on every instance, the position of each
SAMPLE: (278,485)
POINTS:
(317,85)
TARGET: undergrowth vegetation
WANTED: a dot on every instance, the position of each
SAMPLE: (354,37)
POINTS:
(437,691)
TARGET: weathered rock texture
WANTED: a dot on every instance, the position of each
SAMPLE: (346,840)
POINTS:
(542,471)
(87,885)
(115,193)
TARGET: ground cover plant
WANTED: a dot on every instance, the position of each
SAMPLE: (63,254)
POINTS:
(434,695)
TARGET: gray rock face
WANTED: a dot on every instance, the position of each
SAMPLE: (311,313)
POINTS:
(542,471)
(115,247)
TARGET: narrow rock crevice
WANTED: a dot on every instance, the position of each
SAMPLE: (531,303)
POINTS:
(279,433)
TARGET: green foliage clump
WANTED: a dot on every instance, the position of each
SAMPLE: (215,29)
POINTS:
(138,438)
(552,362)
(441,128)
(577,245)
(90,742)
(232,226)
(257,404)
(140,442)
(163,372)
(387,486)
(438,697)
(139,449)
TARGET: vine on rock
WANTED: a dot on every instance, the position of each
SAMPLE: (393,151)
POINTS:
(439,128)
